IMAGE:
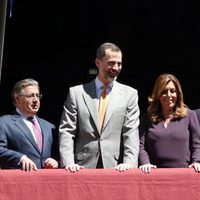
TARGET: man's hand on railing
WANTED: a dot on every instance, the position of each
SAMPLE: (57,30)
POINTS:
(73,167)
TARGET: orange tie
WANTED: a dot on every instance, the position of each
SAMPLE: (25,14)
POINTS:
(102,105)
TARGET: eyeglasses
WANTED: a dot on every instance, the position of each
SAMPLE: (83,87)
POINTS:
(33,95)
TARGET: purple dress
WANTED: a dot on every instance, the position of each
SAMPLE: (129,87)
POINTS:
(176,146)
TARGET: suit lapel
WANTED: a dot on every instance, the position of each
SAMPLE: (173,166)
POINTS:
(25,130)
(114,100)
(43,128)
(90,98)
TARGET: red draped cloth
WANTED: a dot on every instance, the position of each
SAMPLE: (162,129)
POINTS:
(100,184)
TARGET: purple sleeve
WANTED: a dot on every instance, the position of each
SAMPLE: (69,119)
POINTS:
(143,155)
(194,129)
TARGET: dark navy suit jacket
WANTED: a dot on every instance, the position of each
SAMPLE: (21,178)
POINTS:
(16,140)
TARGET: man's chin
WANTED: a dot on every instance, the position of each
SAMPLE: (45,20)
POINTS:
(34,111)
(111,78)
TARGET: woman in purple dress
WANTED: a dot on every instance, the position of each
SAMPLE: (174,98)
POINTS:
(169,131)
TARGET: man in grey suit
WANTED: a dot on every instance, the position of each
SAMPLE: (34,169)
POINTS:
(82,142)
(18,142)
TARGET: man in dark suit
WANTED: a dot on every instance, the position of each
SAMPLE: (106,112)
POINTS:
(83,141)
(18,142)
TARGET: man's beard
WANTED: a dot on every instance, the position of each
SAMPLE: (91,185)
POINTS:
(110,77)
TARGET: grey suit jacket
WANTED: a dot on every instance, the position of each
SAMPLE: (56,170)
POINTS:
(16,140)
(80,139)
